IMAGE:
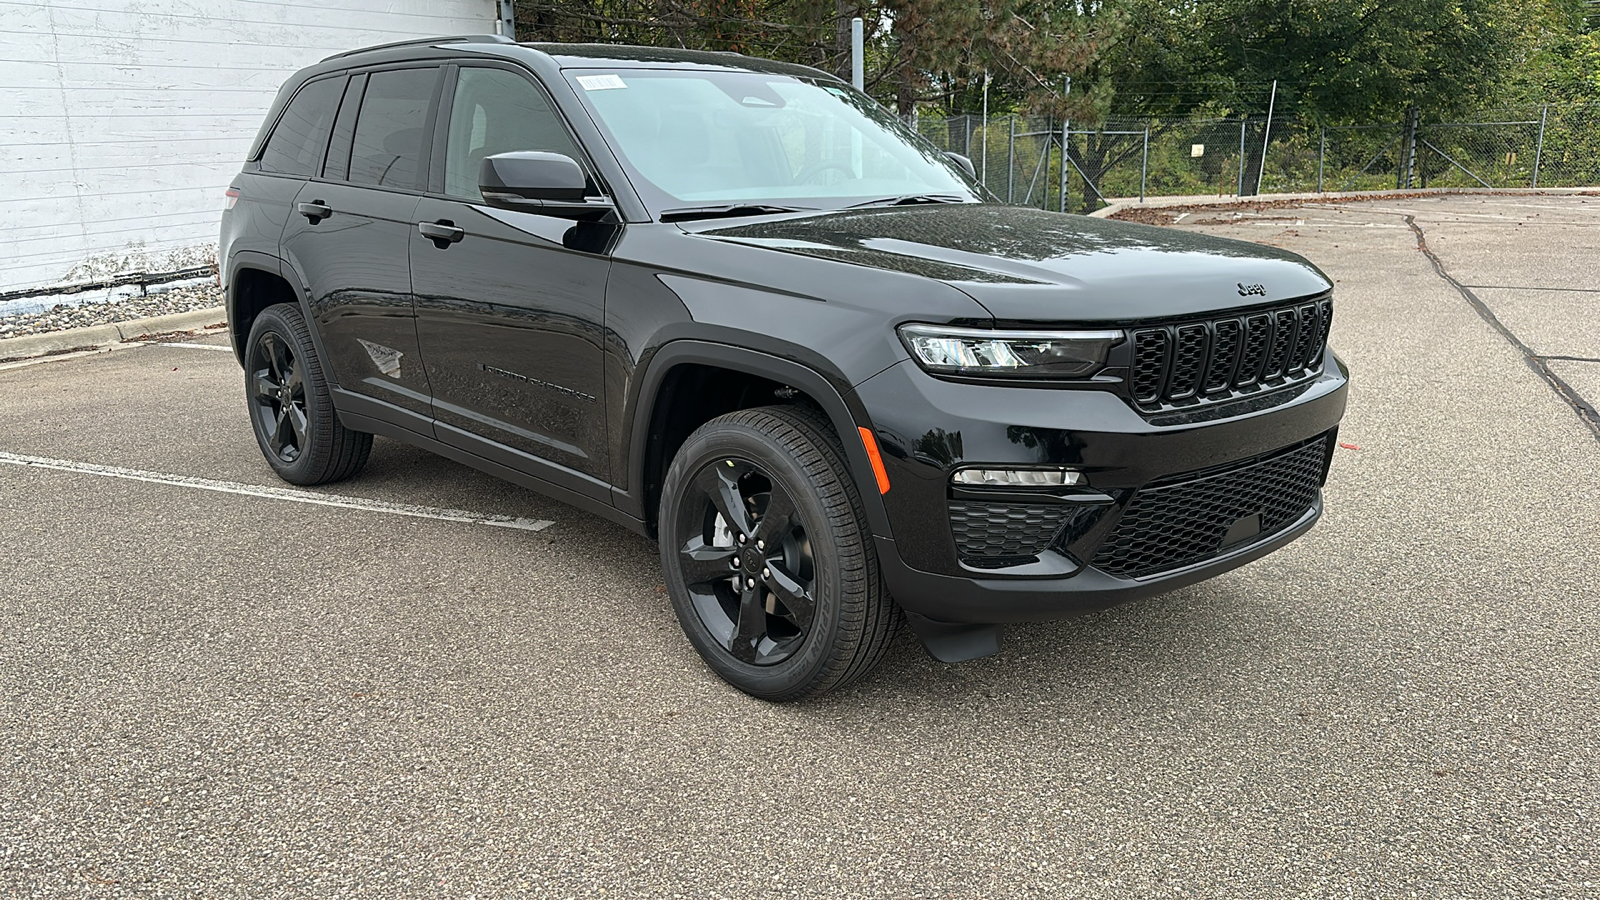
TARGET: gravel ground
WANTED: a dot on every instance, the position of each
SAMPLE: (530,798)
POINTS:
(156,303)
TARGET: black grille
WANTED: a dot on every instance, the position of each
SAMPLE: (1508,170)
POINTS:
(1189,362)
(1283,326)
(1005,531)
(1257,336)
(991,535)
(1176,524)
(1149,364)
(1219,375)
(1187,358)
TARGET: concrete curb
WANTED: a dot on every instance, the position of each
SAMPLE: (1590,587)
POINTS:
(102,335)
(1119,204)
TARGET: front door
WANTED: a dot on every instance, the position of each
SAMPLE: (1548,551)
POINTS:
(510,308)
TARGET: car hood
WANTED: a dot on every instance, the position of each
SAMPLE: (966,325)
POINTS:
(1031,265)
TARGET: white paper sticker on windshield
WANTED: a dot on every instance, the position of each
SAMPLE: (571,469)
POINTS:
(601,82)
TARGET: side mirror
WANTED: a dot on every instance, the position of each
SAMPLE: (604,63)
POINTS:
(534,181)
(965,164)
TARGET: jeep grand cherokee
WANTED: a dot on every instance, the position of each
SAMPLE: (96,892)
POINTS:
(738,307)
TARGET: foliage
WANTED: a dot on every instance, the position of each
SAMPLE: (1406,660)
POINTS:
(1190,70)
(1335,61)
(1344,61)
(919,51)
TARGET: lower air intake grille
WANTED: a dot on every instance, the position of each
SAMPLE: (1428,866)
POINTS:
(993,535)
(1178,524)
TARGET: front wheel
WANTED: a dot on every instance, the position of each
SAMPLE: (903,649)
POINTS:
(767,557)
(291,411)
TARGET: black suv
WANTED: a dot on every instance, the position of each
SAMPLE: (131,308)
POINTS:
(737,306)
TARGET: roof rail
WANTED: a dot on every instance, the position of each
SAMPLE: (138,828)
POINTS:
(448,39)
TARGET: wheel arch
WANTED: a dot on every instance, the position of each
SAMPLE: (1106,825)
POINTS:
(256,281)
(651,444)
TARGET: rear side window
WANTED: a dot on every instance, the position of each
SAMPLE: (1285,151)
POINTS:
(344,130)
(387,149)
(296,145)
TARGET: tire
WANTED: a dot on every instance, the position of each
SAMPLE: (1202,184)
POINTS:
(291,412)
(806,611)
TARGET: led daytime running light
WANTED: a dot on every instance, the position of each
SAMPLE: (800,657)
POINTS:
(1017,354)
(976,477)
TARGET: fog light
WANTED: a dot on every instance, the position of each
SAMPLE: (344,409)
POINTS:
(1016,477)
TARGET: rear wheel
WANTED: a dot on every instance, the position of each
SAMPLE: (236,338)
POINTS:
(291,411)
(767,556)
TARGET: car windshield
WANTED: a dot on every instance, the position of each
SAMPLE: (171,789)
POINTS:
(693,139)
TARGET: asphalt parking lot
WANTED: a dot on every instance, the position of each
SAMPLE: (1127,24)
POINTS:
(447,686)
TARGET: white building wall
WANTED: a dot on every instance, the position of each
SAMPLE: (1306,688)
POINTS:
(122,121)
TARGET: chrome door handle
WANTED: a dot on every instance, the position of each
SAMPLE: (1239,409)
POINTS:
(443,232)
(315,211)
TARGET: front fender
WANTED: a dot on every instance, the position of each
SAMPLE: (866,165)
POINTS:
(834,395)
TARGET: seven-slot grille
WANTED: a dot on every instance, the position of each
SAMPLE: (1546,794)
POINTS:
(1219,358)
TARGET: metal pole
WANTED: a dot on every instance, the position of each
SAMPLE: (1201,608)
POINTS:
(1416,132)
(1322,153)
(1144,163)
(858,77)
(985,148)
(1266,136)
(1538,150)
(1066,125)
(1049,141)
(1011,160)
(1415,119)
(1243,121)
(507,23)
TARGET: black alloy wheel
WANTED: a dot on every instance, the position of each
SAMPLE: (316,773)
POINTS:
(767,556)
(279,394)
(748,568)
(291,410)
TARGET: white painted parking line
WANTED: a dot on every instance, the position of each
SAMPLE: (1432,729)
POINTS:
(276,493)
(223,347)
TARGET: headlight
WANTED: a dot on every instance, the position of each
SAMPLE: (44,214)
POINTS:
(1009,354)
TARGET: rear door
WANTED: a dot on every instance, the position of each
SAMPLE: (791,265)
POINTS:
(347,236)
(510,311)
(267,186)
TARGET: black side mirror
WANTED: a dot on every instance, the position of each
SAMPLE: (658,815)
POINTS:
(965,164)
(534,181)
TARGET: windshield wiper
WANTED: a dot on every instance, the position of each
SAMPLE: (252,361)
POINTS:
(728,210)
(911,200)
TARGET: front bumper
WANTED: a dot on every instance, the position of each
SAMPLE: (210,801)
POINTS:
(926,427)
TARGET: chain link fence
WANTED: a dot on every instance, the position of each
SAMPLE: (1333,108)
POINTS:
(1020,158)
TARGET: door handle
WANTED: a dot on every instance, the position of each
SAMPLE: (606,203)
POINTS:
(443,233)
(315,211)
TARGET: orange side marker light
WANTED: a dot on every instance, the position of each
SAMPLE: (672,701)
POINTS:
(871,443)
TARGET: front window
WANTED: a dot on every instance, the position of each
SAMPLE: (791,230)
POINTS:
(706,137)
(497,111)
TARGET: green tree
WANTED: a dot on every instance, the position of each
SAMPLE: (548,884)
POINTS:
(1558,54)
(919,52)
